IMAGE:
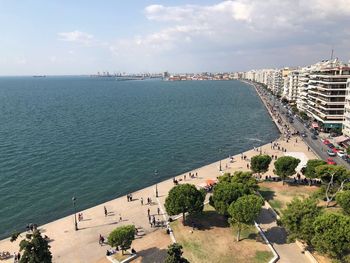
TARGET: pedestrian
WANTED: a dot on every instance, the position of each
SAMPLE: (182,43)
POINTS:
(100,240)
(127,197)
(148,200)
(158,210)
(196,175)
(18,256)
(185,176)
(141,201)
(130,196)
(148,211)
(105,209)
(120,218)
(15,256)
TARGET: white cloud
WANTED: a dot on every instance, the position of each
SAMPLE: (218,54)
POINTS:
(239,28)
(76,37)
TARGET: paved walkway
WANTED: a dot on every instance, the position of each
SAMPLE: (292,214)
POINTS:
(289,253)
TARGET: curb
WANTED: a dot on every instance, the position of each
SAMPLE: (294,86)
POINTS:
(276,257)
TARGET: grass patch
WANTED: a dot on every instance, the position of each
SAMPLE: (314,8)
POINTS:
(262,256)
(278,195)
(214,240)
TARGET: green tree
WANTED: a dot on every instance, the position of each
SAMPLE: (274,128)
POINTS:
(122,237)
(260,163)
(240,177)
(225,193)
(298,218)
(244,211)
(343,199)
(332,234)
(35,248)
(310,169)
(184,198)
(334,177)
(174,254)
(285,166)
(303,115)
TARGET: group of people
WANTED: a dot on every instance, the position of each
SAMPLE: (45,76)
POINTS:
(4,255)
(149,201)
(31,227)
(129,197)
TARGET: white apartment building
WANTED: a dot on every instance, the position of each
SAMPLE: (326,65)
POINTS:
(326,93)
(346,123)
(290,86)
(275,81)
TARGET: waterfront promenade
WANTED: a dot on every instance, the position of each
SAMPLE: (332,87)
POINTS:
(68,245)
(82,246)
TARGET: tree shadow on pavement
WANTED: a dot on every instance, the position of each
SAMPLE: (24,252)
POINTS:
(276,235)
(265,216)
(151,255)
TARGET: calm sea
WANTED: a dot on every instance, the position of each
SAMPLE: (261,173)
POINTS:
(98,139)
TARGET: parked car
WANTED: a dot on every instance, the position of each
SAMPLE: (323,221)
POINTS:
(325,141)
(335,149)
(304,134)
(341,154)
(330,145)
(331,153)
(314,137)
(331,161)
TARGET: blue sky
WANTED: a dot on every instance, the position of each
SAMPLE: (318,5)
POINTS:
(83,37)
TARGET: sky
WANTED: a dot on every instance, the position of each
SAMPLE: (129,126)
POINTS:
(85,37)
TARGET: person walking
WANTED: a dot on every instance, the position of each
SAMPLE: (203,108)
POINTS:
(120,218)
(105,209)
(141,201)
(148,211)
(158,210)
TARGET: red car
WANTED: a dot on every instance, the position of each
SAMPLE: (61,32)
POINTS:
(335,150)
(325,141)
(331,161)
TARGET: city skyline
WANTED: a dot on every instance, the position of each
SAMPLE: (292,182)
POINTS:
(61,37)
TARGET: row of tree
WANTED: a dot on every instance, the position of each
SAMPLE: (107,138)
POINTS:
(284,166)
(325,231)
(235,197)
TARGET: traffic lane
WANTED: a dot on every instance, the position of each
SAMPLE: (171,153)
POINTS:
(316,145)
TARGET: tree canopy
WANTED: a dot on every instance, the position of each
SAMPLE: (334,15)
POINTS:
(343,199)
(184,198)
(35,249)
(335,177)
(244,211)
(174,254)
(298,218)
(285,166)
(122,237)
(332,234)
(225,193)
(310,169)
(260,163)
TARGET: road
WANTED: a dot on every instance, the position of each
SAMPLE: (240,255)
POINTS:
(317,146)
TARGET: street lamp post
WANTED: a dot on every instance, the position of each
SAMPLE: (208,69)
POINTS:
(75,214)
(220,161)
(155,175)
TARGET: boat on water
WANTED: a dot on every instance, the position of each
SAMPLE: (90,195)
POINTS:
(39,76)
